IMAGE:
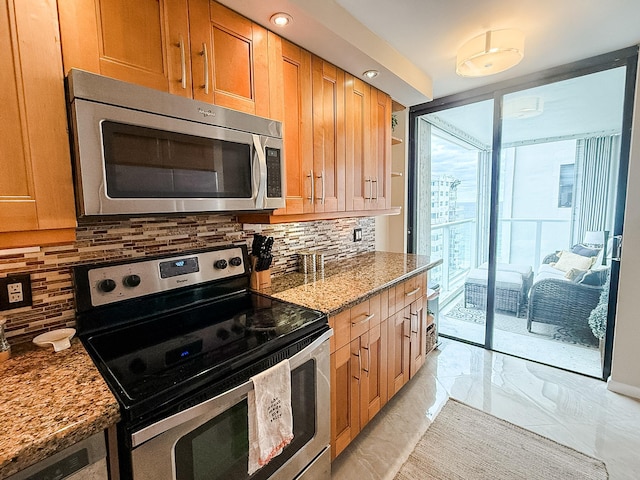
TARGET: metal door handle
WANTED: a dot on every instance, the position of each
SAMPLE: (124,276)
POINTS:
(616,251)
(368,180)
(412,292)
(366,319)
(376,182)
(313,185)
(205,54)
(368,361)
(321,177)
(359,365)
(183,63)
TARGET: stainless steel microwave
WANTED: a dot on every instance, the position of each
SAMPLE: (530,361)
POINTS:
(142,151)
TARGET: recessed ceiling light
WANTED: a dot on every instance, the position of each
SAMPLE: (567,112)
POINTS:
(371,74)
(281,19)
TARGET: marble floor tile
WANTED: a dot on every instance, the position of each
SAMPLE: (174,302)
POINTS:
(571,409)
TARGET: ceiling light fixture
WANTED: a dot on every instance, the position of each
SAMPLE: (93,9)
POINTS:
(489,53)
(281,19)
(371,74)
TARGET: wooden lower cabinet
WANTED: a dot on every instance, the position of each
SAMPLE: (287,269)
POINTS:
(378,345)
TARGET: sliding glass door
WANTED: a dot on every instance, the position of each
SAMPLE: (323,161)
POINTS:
(560,158)
(453,200)
(520,192)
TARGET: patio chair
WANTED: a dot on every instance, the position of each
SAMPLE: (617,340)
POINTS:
(563,302)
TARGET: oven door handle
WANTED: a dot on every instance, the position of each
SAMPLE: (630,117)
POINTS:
(235,394)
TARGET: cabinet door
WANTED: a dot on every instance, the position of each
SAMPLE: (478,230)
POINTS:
(345,388)
(36,190)
(373,382)
(298,129)
(379,167)
(229,57)
(418,345)
(398,350)
(145,42)
(328,137)
(358,187)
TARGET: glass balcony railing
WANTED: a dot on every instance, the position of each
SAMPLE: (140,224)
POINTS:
(521,241)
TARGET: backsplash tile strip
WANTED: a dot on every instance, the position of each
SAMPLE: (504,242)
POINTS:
(111,239)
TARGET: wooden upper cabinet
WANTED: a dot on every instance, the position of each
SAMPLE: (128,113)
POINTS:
(328,137)
(145,42)
(298,128)
(36,190)
(230,58)
(358,187)
(379,166)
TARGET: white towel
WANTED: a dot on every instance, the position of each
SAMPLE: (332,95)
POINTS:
(270,416)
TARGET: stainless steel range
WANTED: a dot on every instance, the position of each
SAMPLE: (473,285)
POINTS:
(177,339)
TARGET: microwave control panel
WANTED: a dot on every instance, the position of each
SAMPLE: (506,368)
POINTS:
(274,178)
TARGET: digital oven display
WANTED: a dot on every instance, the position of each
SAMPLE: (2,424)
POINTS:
(179,267)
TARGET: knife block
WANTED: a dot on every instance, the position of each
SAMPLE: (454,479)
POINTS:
(259,280)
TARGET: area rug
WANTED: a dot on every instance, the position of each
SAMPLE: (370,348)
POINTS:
(466,443)
(510,323)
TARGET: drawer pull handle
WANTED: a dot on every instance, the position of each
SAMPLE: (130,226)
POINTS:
(365,319)
(412,292)
(359,365)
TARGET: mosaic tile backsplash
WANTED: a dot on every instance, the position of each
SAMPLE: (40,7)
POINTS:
(115,239)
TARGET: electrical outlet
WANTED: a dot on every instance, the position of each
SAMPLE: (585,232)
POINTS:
(357,234)
(15,291)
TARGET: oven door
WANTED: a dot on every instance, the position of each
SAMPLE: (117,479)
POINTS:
(134,162)
(210,441)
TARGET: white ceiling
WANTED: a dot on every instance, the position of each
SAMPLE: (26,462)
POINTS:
(414,42)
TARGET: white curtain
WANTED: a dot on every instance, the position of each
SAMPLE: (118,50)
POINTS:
(597,163)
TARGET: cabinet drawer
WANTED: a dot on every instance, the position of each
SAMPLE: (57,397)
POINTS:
(361,317)
(341,325)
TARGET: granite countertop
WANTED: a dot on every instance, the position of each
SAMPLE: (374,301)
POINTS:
(345,282)
(49,401)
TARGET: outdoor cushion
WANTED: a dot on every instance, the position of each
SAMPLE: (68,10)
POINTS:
(585,251)
(593,277)
(569,260)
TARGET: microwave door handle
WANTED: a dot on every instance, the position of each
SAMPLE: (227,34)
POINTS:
(260,177)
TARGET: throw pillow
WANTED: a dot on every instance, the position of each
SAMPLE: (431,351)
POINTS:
(574,273)
(595,278)
(569,260)
(585,251)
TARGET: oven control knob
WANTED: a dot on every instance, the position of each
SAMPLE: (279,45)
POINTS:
(131,281)
(220,264)
(235,261)
(107,285)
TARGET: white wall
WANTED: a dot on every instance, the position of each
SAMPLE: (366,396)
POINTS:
(625,374)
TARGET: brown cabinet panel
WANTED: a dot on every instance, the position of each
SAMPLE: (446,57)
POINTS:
(298,128)
(418,320)
(344,397)
(398,351)
(328,137)
(379,167)
(358,187)
(374,376)
(230,58)
(36,190)
(144,42)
